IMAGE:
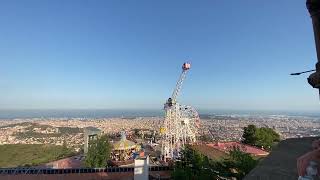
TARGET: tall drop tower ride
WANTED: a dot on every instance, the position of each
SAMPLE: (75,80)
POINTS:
(180,124)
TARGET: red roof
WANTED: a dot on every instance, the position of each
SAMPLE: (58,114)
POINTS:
(226,146)
(71,162)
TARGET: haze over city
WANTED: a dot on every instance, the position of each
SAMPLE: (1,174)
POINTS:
(112,55)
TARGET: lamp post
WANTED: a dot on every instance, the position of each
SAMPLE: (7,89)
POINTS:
(313,7)
(298,73)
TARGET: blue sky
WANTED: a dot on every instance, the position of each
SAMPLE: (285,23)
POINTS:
(128,54)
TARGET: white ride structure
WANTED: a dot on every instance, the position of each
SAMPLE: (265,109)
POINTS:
(181,122)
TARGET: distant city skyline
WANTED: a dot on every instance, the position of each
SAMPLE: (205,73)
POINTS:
(128,54)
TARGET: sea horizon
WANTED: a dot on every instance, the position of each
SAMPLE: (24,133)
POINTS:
(126,113)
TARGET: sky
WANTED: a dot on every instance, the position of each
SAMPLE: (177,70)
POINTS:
(126,54)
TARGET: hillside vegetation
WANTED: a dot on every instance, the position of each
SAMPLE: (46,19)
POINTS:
(13,155)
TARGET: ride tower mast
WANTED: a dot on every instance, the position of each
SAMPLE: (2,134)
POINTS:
(180,124)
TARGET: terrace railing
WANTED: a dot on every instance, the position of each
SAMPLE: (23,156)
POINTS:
(13,171)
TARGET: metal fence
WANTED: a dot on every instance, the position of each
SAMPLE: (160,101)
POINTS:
(6,171)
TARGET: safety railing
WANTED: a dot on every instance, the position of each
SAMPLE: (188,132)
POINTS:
(75,170)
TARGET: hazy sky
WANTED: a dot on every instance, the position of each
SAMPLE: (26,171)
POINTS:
(128,54)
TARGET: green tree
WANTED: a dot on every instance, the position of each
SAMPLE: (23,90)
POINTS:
(136,132)
(249,135)
(65,147)
(205,138)
(98,152)
(266,137)
(261,137)
(237,164)
(192,166)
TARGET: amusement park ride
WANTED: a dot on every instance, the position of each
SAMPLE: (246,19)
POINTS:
(181,122)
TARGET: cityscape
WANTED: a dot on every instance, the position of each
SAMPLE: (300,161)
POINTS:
(218,127)
(141,136)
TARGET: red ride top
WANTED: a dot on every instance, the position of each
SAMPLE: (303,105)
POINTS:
(186,66)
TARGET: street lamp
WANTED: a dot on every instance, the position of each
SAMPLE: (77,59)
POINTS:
(298,73)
